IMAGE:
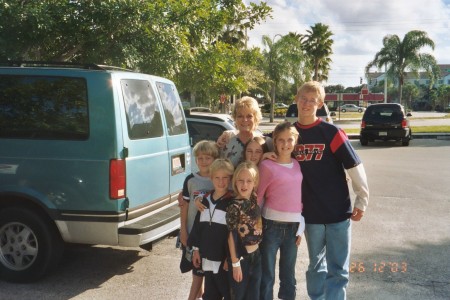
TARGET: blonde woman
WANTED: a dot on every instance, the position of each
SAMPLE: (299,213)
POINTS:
(247,116)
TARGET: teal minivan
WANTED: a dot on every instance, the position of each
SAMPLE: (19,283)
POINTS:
(88,154)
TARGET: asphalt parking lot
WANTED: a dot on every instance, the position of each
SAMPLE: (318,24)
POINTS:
(400,250)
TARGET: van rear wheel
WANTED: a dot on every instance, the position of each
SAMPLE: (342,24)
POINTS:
(30,245)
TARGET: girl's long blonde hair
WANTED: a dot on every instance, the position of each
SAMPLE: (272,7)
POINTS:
(280,128)
(252,168)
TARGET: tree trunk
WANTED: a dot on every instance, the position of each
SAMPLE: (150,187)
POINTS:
(192,100)
(272,101)
(400,92)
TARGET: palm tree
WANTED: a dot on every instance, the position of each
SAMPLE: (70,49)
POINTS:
(295,60)
(404,55)
(284,60)
(273,65)
(317,45)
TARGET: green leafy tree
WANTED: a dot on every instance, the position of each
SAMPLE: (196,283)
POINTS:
(284,60)
(443,92)
(199,77)
(339,88)
(410,93)
(405,55)
(295,60)
(273,67)
(159,37)
(317,44)
(132,34)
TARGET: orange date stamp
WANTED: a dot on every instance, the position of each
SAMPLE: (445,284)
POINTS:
(379,267)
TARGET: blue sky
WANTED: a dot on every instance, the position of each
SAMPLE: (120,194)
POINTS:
(359,27)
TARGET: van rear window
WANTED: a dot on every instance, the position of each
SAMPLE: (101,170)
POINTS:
(43,107)
(382,111)
(141,106)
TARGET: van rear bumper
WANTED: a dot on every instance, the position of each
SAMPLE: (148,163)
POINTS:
(150,228)
(109,230)
(384,134)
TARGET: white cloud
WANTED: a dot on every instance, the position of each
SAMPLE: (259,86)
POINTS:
(359,27)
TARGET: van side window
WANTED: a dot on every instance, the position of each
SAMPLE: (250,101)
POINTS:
(173,111)
(143,116)
(43,107)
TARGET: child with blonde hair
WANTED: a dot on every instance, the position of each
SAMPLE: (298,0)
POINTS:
(245,225)
(326,155)
(195,185)
(254,149)
(209,235)
(280,197)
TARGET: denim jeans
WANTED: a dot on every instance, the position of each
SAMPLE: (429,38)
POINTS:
(248,288)
(329,256)
(282,236)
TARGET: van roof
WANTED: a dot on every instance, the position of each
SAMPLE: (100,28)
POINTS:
(68,65)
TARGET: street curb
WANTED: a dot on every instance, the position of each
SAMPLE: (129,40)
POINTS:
(419,135)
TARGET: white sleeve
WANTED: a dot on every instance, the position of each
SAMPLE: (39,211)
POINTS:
(301,226)
(360,186)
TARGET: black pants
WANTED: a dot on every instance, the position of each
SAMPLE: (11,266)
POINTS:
(216,285)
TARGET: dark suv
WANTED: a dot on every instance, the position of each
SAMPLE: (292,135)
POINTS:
(386,121)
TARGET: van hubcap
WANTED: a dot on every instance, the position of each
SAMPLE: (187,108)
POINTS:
(18,246)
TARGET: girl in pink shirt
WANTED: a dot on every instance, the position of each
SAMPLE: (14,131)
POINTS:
(280,198)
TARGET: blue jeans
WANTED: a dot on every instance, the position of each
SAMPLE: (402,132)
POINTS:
(248,288)
(278,235)
(329,256)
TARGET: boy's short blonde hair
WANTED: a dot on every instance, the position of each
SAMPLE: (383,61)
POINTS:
(246,165)
(250,103)
(206,147)
(221,164)
(312,86)
(283,126)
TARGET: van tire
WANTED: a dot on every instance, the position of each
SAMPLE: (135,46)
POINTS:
(364,141)
(30,245)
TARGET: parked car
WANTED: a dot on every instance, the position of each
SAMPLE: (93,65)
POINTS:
(351,108)
(207,126)
(323,113)
(88,154)
(386,121)
(199,109)
(280,105)
(279,109)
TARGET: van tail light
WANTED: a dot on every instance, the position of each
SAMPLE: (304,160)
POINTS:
(363,124)
(404,123)
(117,179)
